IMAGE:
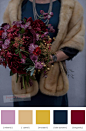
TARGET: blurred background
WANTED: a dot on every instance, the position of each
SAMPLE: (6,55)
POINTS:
(76,72)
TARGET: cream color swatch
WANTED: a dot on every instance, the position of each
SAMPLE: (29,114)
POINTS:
(25,116)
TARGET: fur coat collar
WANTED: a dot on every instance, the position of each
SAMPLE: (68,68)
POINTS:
(71,34)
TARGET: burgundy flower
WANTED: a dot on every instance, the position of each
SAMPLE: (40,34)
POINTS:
(1,31)
(15,64)
(39,25)
(30,19)
(9,54)
(1,42)
(37,51)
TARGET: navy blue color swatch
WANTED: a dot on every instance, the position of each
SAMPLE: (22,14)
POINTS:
(60,117)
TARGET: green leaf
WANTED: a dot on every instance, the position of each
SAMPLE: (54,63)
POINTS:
(20,55)
(11,73)
(24,20)
(30,68)
(22,30)
(16,51)
(32,72)
(25,68)
(5,62)
(12,42)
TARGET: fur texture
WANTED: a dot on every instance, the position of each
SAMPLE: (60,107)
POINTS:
(71,34)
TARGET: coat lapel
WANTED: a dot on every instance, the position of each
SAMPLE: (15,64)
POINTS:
(65,15)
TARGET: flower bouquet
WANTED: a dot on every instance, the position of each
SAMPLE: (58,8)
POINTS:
(25,47)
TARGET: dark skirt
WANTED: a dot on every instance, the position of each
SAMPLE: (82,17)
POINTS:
(42,100)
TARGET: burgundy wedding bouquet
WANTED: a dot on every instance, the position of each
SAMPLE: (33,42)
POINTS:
(25,47)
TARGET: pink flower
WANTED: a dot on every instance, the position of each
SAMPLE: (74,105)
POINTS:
(46,33)
(27,24)
(7,42)
(51,29)
(23,61)
(38,65)
(33,58)
(49,25)
(16,45)
(51,13)
(37,37)
(42,36)
(45,14)
(32,47)
(9,54)
(4,35)
(49,16)
(41,11)
(4,46)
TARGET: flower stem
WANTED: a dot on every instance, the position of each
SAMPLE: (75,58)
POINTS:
(25,52)
(23,82)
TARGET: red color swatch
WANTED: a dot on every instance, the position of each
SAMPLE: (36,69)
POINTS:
(78,117)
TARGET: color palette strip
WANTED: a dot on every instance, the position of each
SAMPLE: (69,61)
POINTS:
(42,117)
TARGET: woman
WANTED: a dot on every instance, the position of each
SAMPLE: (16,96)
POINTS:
(68,17)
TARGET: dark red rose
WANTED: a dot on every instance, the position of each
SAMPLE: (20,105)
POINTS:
(15,26)
(30,19)
(15,64)
(37,51)
(1,31)
(39,25)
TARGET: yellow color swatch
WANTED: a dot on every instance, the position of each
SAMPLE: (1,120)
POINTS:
(25,116)
(42,116)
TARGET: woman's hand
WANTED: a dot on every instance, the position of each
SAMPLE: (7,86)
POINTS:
(60,57)
(51,59)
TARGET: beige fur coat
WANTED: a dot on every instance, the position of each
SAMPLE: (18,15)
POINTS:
(71,34)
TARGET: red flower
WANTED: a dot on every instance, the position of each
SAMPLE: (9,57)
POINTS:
(15,26)
(9,54)
(15,65)
(37,51)
(30,19)
(1,31)
(39,25)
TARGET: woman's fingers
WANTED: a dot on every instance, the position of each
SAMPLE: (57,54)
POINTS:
(51,59)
